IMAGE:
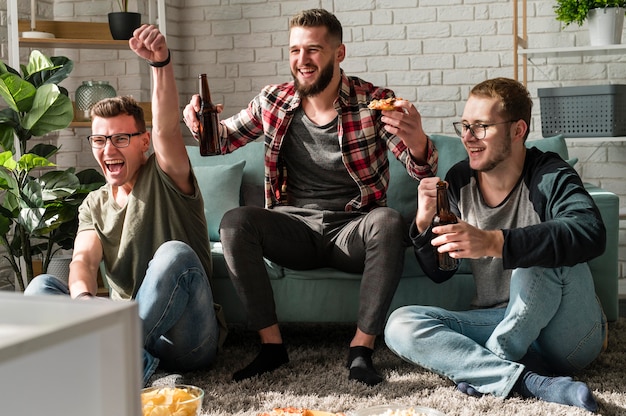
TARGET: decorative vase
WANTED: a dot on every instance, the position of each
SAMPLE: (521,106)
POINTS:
(60,266)
(123,24)
(89,93)
(605,26)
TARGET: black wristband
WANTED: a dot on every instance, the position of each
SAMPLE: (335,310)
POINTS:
(162,63)
(84,295)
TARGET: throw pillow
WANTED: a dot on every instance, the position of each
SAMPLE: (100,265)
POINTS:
(220,186)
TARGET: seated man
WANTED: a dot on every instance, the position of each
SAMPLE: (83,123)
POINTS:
(527,227)
(147,224)
(326,179)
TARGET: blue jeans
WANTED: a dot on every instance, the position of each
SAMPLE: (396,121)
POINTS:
(552,313)
(175,303)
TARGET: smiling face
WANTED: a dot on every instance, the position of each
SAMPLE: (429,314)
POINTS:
(120,165)
(485,155)
(314,59)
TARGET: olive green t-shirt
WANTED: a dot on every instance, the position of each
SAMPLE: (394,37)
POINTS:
(156,212)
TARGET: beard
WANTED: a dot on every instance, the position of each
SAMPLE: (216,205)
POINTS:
(319,85)
(500,154)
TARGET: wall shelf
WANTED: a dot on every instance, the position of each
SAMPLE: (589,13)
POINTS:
(85,35)
(572,51)
(520,45)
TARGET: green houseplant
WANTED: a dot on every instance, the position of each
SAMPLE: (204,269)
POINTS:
(576,11)
(38,205)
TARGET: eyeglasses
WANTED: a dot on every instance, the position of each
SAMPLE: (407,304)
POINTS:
(478,130)
(99,141)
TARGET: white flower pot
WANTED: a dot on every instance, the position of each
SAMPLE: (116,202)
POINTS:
(605,26)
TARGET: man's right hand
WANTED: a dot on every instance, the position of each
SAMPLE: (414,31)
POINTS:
(426,202)
(190,114)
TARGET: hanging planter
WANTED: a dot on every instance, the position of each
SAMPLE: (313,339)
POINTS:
(605,26)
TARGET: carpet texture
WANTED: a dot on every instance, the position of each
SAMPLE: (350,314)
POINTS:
(316,378)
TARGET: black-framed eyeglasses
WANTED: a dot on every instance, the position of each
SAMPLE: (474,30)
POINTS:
(99,141)
(478,130)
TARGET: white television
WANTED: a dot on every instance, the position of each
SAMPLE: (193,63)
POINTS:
(67,357)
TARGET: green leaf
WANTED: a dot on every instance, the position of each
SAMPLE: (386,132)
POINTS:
(90,179)
(7,161)
(37,61)
(17,93)
(44,150)
(51,111)
(60,69)
(58,184)
(31,161)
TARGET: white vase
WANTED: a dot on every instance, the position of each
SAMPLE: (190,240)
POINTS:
(605,26)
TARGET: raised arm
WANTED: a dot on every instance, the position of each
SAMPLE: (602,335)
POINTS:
(167,138)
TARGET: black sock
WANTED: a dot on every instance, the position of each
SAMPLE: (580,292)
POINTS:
(269,359)
(361,367)
(561,390)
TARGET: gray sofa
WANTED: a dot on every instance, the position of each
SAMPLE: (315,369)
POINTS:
(329,295)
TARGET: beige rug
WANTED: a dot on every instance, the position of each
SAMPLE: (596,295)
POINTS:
(316,378)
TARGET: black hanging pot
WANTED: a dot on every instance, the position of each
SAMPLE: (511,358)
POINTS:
(123,24)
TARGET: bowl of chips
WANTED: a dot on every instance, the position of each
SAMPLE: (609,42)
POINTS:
(177,400)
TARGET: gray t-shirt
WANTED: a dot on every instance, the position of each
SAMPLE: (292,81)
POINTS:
(318,178)
(492,280)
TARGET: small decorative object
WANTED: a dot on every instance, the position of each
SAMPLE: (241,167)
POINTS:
(34,33)
(89,93)
(605,26)
(122,24)
(577,11)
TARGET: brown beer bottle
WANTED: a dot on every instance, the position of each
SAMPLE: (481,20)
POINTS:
(208,133)
(442,217)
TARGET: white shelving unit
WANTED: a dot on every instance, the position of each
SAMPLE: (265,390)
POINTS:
(520,45)
(72,35)
(521,50)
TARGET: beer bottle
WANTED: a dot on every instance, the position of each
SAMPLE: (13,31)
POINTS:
(208,133)
(444,216)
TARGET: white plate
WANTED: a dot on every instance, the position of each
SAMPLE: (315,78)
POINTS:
(379,410)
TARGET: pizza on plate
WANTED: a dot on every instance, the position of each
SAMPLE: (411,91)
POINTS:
(295,411)
(383,104)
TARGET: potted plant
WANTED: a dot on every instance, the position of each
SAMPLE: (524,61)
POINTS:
(606,18)
(122,24)
(38,210)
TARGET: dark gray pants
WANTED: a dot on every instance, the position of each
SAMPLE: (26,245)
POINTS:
(371,243)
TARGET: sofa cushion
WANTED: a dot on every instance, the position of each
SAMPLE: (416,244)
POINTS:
(219,185)
(554,144)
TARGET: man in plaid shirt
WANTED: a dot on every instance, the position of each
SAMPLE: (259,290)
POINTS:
(326,178)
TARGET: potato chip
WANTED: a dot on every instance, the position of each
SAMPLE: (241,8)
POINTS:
(171,401)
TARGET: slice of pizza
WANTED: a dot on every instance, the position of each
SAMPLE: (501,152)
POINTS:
(295,411)
(384,104)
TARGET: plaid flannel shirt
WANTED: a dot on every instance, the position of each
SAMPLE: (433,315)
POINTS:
(362,137)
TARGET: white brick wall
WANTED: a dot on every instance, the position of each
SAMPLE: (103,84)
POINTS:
(429,51)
